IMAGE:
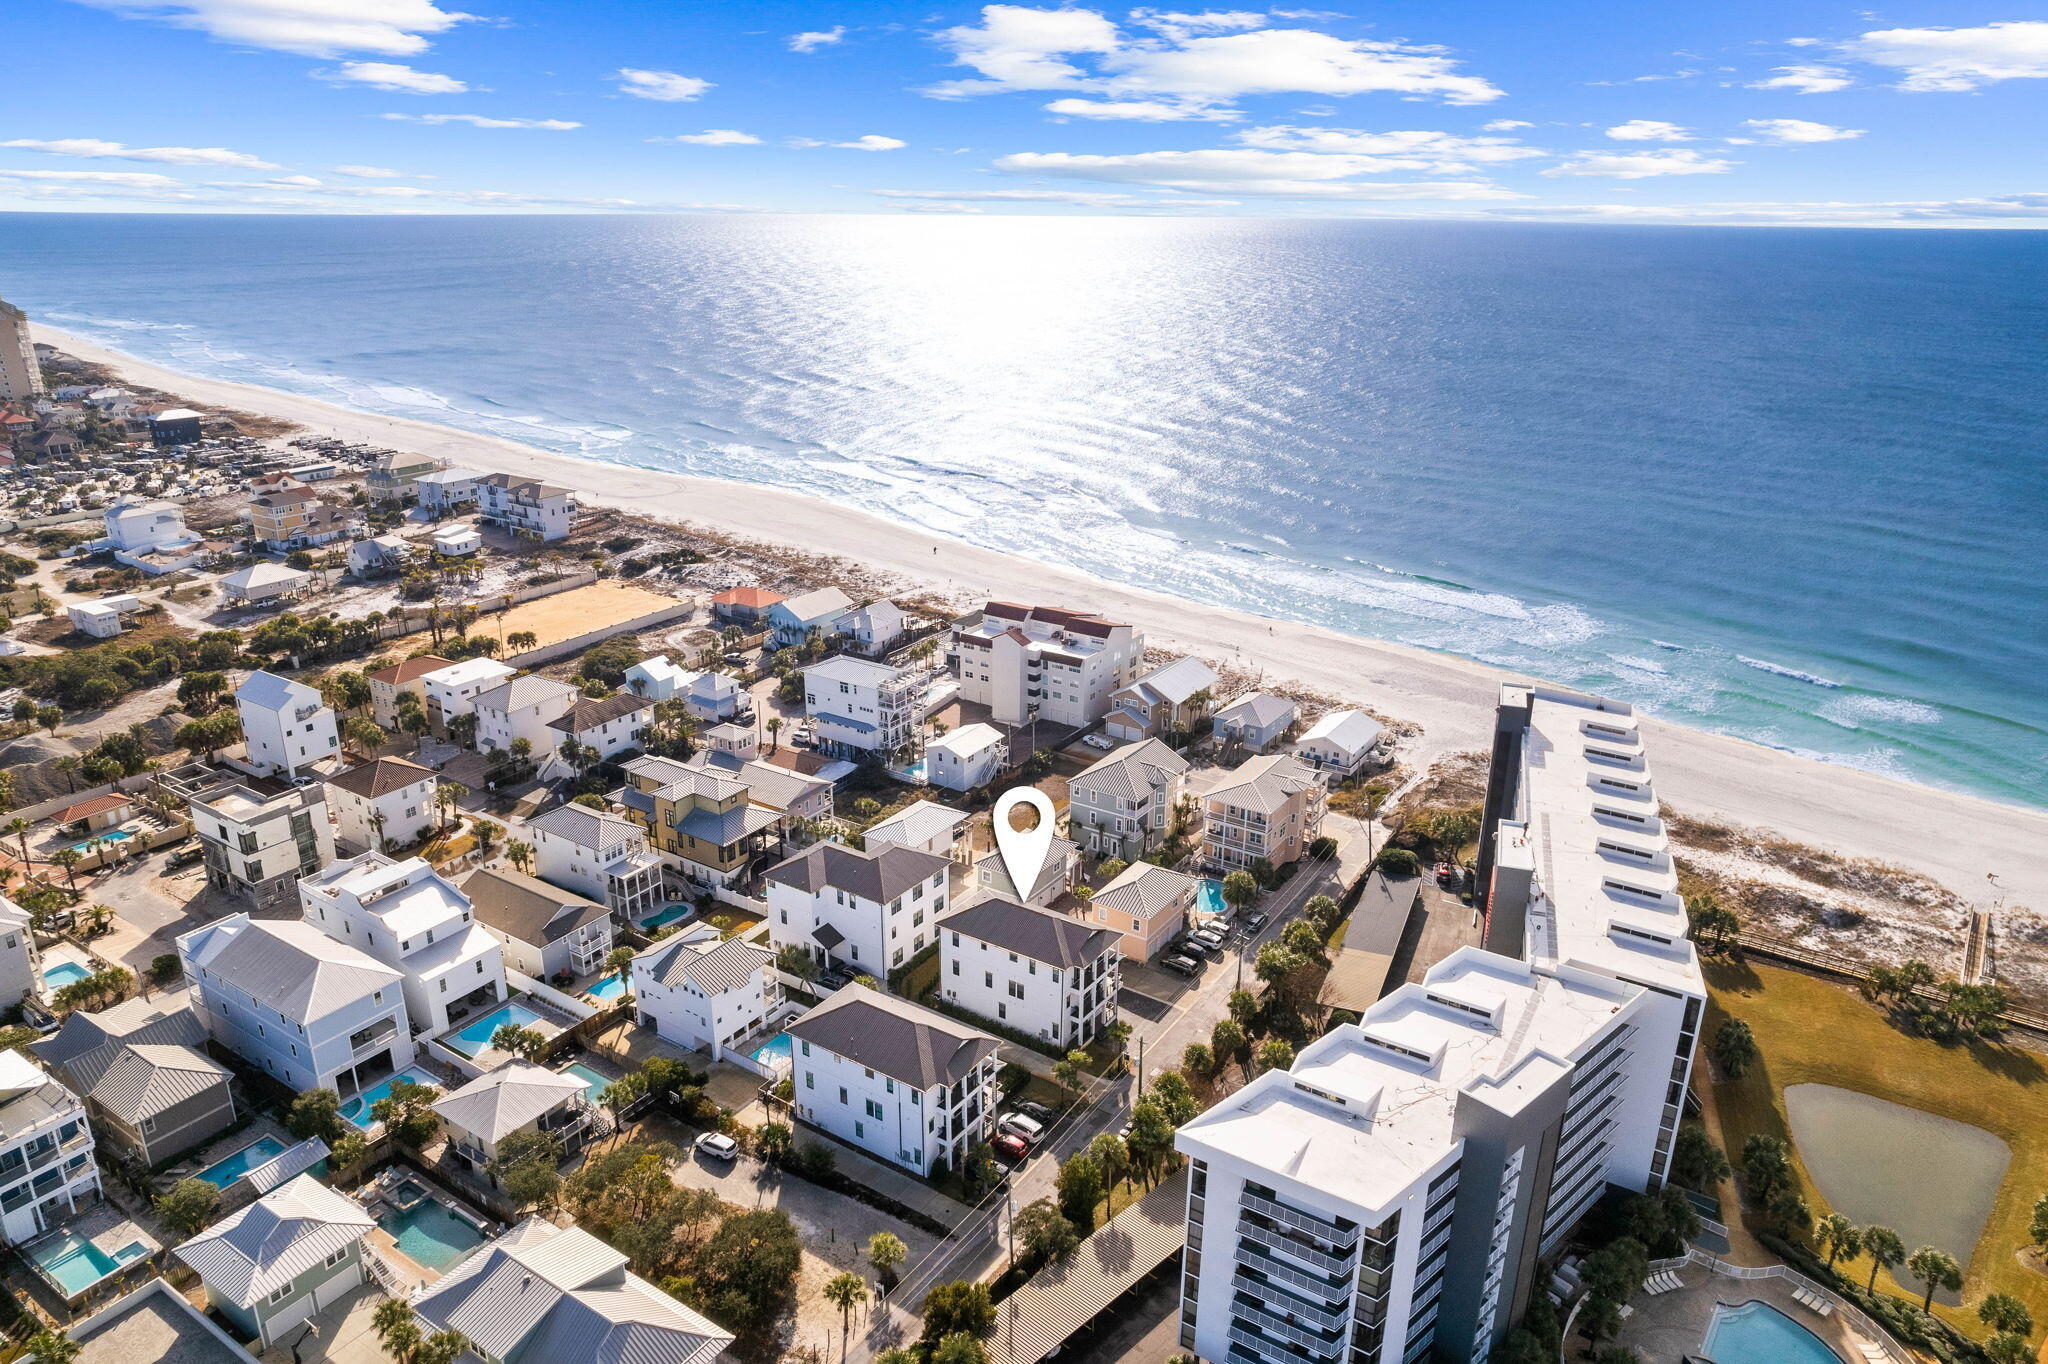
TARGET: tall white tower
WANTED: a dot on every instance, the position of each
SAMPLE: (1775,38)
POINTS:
(20,375)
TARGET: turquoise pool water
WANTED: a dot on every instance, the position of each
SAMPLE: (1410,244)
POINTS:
(596,1083)
(610,988)
(77,1264)
(668,914)
(64,973)
(222,1173)
(773,1051)
(431,1234)
(112,836)
(1209,897)
(357,1110)
(477,1035)
(1757,1333)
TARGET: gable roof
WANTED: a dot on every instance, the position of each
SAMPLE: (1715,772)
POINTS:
(918,822)
(1132,771)
(1264,783)
(380,777)
(497,1104)
(905,1041)
(267,689)
(877,874)
(262,573)
(246,1256)
(288,966)
(520,692)
(589,714)
(593,829)
(87,1043)
(757,598)
(1259,709)
(1175,682)
(1351,730)
(527,908)
(1040,934)
(98,805)
(728,965)
(147,1078)
(817,605)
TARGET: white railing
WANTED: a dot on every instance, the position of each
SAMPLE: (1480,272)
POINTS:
(1855,1316)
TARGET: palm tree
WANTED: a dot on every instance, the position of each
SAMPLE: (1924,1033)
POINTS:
(446,795)
(774,728)
(68,858)
(845,1292)
(397,1328)
(19,827)
(69,767)
(1839,1235)
(886,1251)
(519,854)
(1935,1269)
(1884,1248)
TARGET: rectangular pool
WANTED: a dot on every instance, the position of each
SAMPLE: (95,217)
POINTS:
(64,973)
(477,1036)
(76,1264)
(111,836)
(357,1110)
(224,1172)
(667,915)
(432,1235)
(610,988)
(592,1080)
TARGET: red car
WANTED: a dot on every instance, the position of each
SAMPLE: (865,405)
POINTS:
(1012,1149)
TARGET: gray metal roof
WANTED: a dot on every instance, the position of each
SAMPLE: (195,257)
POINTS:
(88,1043)
(594,829)
(1038,934)
(146,1078)
(810,606)
(904,1041)
(289,966)
(515,1095)
(918,822)
(1143,889)
(542,1294)
(1260,709)
(726,827)
(289,1163)
(878,874)
(1133,771)
(521,692)
(730,965)
(527,908)
(280,1236)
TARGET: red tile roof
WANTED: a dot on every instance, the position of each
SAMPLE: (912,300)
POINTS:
(98,805)
(400,673)
(759,598)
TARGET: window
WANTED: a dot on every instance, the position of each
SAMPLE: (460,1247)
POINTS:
(282,1291)
(336,1258)
(842,1094)
(1016,989)
(810,1080)
(956,966)
(873,1109)
(988,980)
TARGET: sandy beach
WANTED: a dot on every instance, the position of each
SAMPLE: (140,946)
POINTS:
(1955,838)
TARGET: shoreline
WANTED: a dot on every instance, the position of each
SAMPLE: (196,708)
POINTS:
(1953,837)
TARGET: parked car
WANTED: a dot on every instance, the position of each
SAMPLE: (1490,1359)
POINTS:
(185,857)
(718,1146)
(834,979)
(1181,965)
(1039,1112)
(1101,741)
(1018,1125)
(1254,921)
(1010,1148)
(1214,934)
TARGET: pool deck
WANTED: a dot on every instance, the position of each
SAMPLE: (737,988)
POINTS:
(1671,1326)
(550,1024)
(110,1229)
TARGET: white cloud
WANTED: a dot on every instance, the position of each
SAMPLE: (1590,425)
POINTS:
(1246,171)
(1080,197)
(1181,25)
(714,137)
(811,42)
(311,28)
(377,173)
(97,149)
(1423,150)
(1805,80)
(395,77)
(1504,125)
(1142,110)
(1642,165)
(1799,130)
(872,142)
(1649,130)
(125,179)
(1941,59)
(557,125)
(665,86)
(1019,48)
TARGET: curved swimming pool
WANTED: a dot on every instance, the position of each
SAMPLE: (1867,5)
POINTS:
(1758,1333)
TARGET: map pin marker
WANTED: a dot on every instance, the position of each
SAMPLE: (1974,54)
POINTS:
(1023,850)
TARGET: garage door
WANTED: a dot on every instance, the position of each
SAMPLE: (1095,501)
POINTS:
(338,1287)
(288,1316)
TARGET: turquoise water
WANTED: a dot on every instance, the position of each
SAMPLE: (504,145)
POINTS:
(477,1035)
(1209,897)
(669,914)
(596,1083)
(222,1173)
(357,1110)
(610,988)
(64,973)
(432,1235)
(112,836)
(77,1264)
(1757,1333)
(775,1049)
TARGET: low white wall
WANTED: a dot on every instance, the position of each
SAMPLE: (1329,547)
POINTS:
(578,1009)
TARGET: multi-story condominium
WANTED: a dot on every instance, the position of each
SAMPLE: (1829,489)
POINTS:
(281,1259)
(1268,810)
(46,1146)
(865,912)
(545,931)
(1030,663)
(1338,744)
(1388,1199)
(148,1088)
(1148,904)
(21,964)
(259,838)
(1257,721)
(21,374)
(900,1081)
(409,675)
(969,757)
(857,706)
(385,802)
(702,822)
(1576,870)
(412,918)
(577,1303)
(810,615)
(313,1012)
(523,708)
(527,507)
(1122,804)
(598,855)
(444,490)
(452,689)
(285,724)
(1049,975)
(395,476)
(704,994)
(518,1096)
(610,725)
(1169,699)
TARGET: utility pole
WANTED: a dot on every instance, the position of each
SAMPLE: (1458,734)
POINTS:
(1141,1069)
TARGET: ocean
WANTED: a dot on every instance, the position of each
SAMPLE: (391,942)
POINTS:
(1783,484)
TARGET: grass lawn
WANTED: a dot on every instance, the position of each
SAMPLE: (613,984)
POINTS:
(1811,1031)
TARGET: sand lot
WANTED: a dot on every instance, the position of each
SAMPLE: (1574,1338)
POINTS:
(578,611)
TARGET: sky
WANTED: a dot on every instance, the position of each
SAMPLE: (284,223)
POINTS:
(1727,113)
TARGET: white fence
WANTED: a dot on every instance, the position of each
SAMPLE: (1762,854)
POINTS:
(578,1009)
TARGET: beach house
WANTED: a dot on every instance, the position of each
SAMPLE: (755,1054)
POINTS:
(149,535)
(600,856)
(1256,721)
(452,689)
(148,1088)
(1029,663)
(1051,976)
(967,758)
(872,626)
(657,679)
(527,507)
(1122,804)
(417,921)
(545,931)
(385,802)
(702,822)
(924,825)
(743,606)
(408,675)
(46,1151)
(523,708)
(1149,905)
(1056,875)
(395,474)
(1264,812)
(857,706)
(608,726)
(103,619)
(716,696)
(445,490)
(261,582)
(518,1096)
(1338,744)
(703,993)
(1167,700)
(377,556)
(21,964)
(258,838)
(863,911)
(286,725)
(292,1252)
(794,620)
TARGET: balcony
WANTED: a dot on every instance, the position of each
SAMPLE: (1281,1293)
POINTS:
(1252,1258)
(1246,1308)
(1322,1227)
(1329,1264)
(1273,1351)
(1274,1297)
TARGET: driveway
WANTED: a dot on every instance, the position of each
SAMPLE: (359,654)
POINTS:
(834,1227)
(341,1334)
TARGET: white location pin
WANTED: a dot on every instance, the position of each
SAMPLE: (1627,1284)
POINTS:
(1023,850)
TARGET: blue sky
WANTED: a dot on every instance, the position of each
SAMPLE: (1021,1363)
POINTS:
(1723,113)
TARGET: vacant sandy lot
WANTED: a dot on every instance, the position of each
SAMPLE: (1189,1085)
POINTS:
(576,612)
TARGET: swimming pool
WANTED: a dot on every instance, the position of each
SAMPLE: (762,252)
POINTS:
(1757,1333)
(477,1036)
(64,973)
(224,1172)
(111,836)
(610,988)
(668,914)
(431,1234)
(75,1264)
(597,1084)
(1209,897)
(774,1051)
(357,1110)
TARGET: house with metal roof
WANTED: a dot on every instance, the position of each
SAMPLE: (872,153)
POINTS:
(147,1088)
(281,1259)
(1170,698)
(263,581)
(1257,721)
(600,855)
(657,678)
(523,708)
(46,1151)
(545,931)
(1122,804)
(903,1082)
(1267,810)
(924,825)
(969,757)
(518,1096)
(863,911)
(857,706)
(1148,904)
(543,1294)
(1051,975)
(1339,743)
(286,725)
(794,619)
(701,993)
(704,823)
